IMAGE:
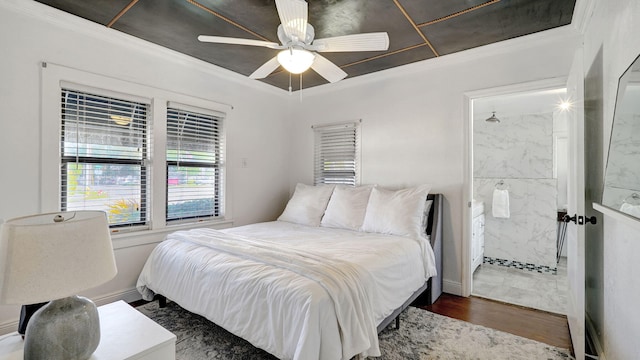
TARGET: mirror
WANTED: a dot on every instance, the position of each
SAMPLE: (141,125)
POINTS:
(622,177)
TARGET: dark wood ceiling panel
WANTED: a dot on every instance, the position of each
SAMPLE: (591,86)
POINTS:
(259,16)
(423,11)
(375,16)
(281,79)
(346,17)
(388,62)
(376,61)
(311,78)
(100,11)
(501,21)
(448,25)
(175,24)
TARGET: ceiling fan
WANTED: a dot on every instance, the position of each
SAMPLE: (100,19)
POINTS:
(299,49)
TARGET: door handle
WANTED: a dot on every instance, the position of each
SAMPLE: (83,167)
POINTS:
(580,220)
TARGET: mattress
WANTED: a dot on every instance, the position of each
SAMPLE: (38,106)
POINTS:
(280,308)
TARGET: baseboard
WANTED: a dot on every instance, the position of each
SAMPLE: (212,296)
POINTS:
(593,335)
(9,326)
(452,287)
(129,295)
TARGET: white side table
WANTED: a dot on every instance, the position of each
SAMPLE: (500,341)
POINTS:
(125,333)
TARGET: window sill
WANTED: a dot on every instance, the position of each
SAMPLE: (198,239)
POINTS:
(151,236)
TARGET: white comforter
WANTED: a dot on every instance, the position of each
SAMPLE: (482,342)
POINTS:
(268,298)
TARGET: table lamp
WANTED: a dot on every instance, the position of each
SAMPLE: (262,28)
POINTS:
(52,257)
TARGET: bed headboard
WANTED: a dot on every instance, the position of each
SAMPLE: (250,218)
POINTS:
(434,230)
(435,218)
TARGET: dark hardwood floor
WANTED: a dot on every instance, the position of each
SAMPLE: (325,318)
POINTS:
(534,324)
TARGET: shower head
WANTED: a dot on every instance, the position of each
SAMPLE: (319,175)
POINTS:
(493,118)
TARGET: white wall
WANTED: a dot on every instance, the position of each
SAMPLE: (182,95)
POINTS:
(615,26)
(413,123)
(256,128)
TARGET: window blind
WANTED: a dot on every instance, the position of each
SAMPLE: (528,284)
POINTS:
(195,159)
(103,154)
(337,154)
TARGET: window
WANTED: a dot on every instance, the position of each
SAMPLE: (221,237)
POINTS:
(194,162)
(103,155)
(337,154)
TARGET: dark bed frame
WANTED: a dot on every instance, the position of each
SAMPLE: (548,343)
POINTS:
(428,293)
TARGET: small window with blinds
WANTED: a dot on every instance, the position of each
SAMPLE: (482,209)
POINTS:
(337,154)
(195,161)
(103,153)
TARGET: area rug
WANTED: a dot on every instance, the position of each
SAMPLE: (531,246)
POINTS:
(422,335)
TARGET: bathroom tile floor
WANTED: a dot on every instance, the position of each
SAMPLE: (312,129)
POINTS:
(546,292)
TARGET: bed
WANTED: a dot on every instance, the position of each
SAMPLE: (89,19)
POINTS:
(300,291)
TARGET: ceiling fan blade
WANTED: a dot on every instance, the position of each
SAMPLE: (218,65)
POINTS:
(293,17)
(358,42)
(238,41)
(327,69)
(266,69)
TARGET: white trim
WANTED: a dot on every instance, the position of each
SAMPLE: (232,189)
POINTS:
(582,13)
(617,215)
(337,125)
(64,20)
(102,92)
(467,198)
(199,109)
(593,335)
(452,287)
(8,327)
(537,85)
(563,33)
(129,295)
(154,236)
(52,78)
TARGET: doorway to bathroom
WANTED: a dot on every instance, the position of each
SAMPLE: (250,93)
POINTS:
(519,194)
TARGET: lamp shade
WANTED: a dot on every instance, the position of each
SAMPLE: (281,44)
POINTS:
(51,256)
(296,61)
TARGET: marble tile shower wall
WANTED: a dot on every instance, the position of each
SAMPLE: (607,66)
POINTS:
(518,151)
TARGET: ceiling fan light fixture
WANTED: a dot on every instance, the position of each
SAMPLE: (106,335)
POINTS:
(296,61)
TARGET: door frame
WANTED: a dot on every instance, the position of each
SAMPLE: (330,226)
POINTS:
(538,85)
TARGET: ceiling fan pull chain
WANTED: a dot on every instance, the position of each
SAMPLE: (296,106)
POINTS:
(290,92)
(300,87)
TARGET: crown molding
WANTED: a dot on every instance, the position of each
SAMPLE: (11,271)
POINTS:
(61,19)
(33,9)
(563,33)
(582,13)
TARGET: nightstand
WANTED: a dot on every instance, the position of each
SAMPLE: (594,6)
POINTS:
(125,334)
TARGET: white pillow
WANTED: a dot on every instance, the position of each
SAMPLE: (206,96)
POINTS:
(397,212)
(347,207)
(307,205)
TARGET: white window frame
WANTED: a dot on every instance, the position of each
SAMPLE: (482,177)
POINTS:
(346,128)
(218,165)
(55,77)
(75,116)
